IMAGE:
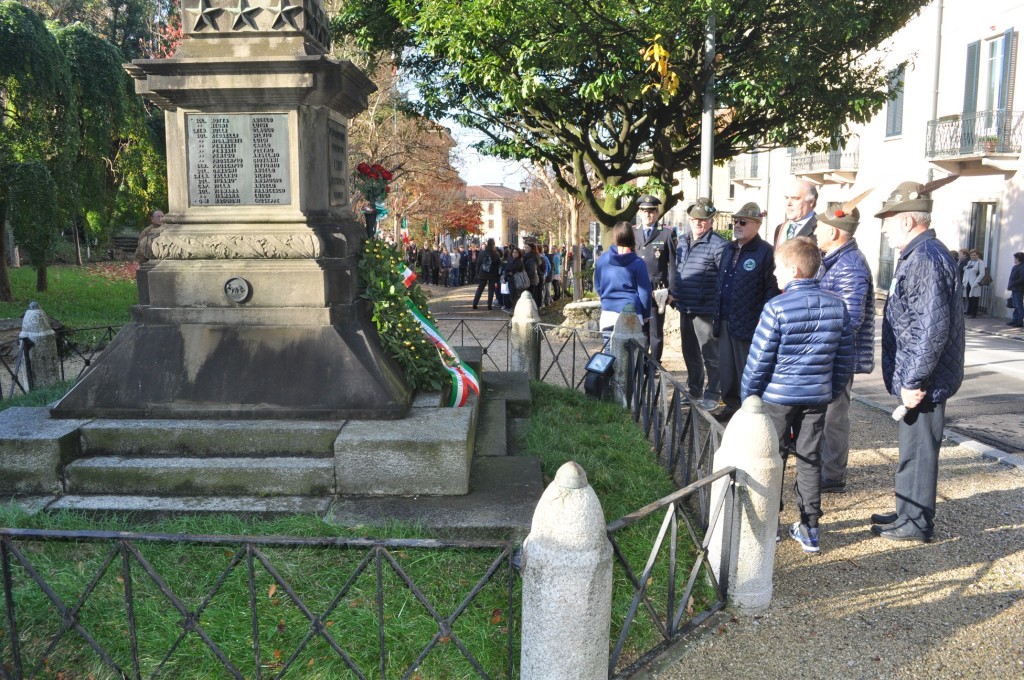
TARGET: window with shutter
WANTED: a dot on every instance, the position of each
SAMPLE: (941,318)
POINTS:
(894,107)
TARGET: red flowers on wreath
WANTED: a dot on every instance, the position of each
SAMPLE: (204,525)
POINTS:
(372,180)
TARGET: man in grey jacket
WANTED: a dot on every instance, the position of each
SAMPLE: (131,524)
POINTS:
(845,272)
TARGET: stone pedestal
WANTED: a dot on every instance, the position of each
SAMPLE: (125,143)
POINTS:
(249,303)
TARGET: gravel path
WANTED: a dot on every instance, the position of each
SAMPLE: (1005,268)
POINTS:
(869,608)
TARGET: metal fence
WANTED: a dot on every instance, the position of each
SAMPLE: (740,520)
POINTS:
(16,364)
(976,134)
(125,561)
(684,437)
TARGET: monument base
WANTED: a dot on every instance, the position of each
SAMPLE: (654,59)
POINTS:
(241,372)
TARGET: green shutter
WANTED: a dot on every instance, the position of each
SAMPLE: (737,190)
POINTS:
(1006,76)
(968,120)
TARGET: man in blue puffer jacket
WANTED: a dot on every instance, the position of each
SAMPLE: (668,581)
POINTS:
(800,360)
(845,272)
(922,354)
(694,286)
(746,280)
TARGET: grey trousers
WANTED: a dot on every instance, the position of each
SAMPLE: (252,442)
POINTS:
(700,352)
(918,470)
(835,446)
(732,357)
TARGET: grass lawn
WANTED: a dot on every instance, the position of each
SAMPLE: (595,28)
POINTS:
(565,426)
(79,297)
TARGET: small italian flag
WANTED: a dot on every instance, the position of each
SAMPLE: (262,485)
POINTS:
(408,276)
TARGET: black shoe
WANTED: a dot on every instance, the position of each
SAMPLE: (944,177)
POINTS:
(904,532)
(832,486)
(474,306)
(725,415)
(884,518)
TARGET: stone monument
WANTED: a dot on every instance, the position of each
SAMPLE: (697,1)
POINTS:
(249,303)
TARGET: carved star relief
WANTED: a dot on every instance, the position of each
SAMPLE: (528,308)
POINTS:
(283,14)
(204,15)
(242,15)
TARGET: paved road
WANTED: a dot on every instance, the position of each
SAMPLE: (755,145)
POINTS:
(990,404)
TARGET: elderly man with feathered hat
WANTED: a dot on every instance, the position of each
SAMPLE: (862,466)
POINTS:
(922,354)
(845,272)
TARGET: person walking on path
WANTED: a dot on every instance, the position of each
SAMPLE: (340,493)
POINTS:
(922,354)
(655,245)
(488,272)
(620,278)
(845,272)
(1016,287)
(975,273)
(693,295)
(800,359)
(746,281)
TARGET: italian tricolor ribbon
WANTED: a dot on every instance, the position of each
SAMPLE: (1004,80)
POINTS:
(464,378)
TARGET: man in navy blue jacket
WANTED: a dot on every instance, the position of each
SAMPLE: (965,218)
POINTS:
(800,359)
(845,272)
(693,292)
(746,280)
(922,354)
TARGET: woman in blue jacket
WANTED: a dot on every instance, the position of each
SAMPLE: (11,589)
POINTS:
(621,278)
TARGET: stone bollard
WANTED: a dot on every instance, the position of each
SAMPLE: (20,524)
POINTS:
(627,327)
(567,583)
(45,360)
(751,445)
(524,345)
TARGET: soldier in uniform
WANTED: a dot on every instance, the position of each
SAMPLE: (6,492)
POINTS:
(656,246)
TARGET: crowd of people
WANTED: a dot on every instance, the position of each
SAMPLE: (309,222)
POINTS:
(792,321)
(503,273)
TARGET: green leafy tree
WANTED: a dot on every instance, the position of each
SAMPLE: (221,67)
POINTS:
(99,82)
(613,90)
(37,133)
(131,25)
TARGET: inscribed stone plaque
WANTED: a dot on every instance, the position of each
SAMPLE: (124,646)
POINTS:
(238,159)
(337,134)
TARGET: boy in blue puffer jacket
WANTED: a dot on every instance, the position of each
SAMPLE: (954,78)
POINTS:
(800,360)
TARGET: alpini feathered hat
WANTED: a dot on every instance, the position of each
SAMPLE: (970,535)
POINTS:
(912,197)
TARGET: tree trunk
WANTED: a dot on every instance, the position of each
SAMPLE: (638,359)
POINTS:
(5,281)
(41,282)
(78,242)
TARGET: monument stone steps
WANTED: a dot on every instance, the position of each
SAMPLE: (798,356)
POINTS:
(217,438)
(208,476)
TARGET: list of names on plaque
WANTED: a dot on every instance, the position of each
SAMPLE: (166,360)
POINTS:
(337,135)
(238,159)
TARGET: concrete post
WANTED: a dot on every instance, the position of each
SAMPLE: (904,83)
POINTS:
(35,327)
(567,584)
(524,345)
(627,327)
(751,445)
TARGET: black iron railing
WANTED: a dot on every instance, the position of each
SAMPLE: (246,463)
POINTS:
(79,347)
(491,336)
(684,434)
(16,359)
(668,613)
(139,579)
(976,134)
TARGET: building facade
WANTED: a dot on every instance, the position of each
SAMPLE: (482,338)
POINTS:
(953,110)
(498,212)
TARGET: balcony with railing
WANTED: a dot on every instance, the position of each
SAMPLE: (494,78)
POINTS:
(835,166)
(746,171)
(982,143)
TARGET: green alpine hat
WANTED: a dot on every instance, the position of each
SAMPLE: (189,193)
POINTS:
(702,209)
(749,211)
(912,197)
(840,219)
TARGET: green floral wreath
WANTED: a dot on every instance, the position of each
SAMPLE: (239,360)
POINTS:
(380,273)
